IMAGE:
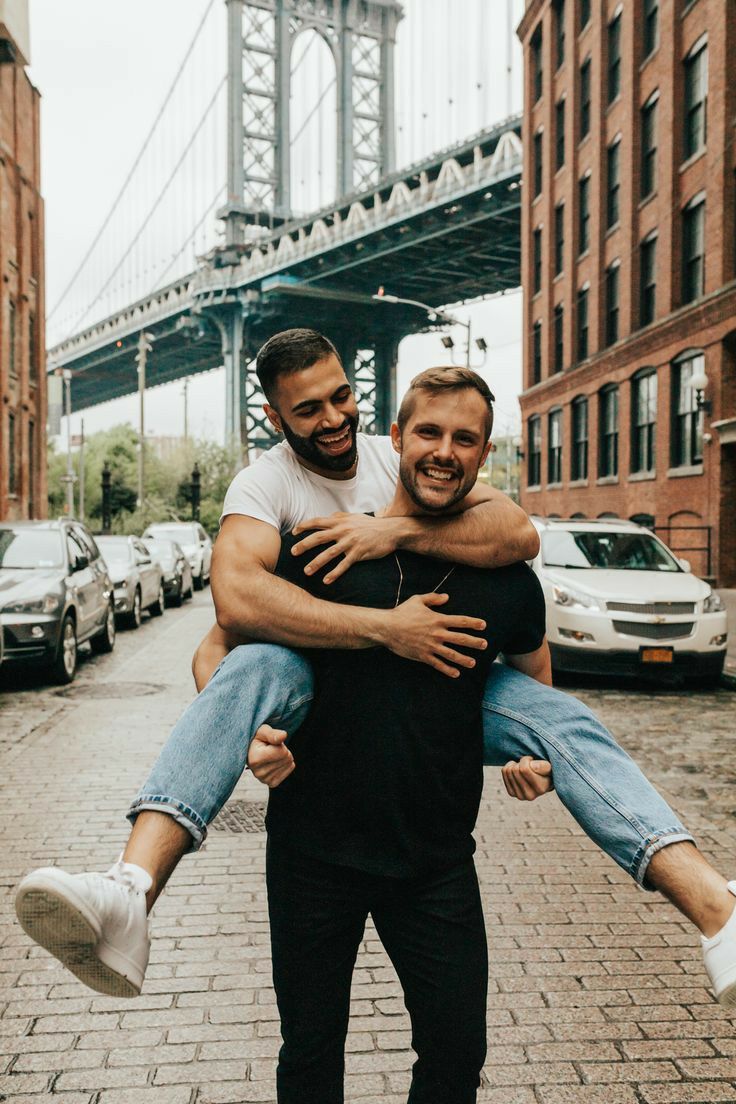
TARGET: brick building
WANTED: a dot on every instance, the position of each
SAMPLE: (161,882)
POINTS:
(22,356)
(629,267)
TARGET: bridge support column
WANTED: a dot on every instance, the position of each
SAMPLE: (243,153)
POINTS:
(371,368)
(231,330)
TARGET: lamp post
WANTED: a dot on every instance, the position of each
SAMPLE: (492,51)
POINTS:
(436,314)
(699,382)
(144,348)
(69,478)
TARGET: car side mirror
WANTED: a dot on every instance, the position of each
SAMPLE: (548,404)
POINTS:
(80,563)
(685,565)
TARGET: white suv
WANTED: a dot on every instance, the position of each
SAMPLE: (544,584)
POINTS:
(620,602)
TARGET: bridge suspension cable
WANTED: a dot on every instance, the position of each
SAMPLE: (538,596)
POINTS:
(137,161)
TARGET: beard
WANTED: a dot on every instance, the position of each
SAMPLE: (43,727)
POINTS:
(437,499)
(309,449)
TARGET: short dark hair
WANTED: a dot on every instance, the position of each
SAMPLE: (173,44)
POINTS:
(288,352)
(437,380)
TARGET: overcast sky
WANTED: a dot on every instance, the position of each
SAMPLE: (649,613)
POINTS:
(103,70)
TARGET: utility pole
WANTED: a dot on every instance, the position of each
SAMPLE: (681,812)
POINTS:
(81,472)
(69,480)
(186,410)
(144,348)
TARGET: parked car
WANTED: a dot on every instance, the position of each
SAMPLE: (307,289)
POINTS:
(620,602)
(195,544)
(175,566)
(55,593)
(137,579)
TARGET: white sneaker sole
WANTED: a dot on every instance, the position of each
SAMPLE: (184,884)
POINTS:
(55,918)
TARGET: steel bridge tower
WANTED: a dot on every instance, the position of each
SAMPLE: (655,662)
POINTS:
(261,35)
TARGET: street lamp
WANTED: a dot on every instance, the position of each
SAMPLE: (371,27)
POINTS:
(144,348)
(435,314)
(699,381)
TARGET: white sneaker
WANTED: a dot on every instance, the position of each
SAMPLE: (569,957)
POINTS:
(719,953)
(95,924)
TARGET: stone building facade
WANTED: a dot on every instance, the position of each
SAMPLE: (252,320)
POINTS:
(22,341)
(629,268)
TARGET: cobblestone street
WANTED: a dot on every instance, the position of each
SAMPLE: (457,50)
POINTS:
(597,990)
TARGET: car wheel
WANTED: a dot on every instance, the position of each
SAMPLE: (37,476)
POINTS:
(105,641)
(159,605)
(133,619)
(189,592)
(178,597)
(198,581)
(64,665)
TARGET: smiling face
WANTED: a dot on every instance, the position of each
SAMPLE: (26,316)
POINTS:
(315,409)
(442,446)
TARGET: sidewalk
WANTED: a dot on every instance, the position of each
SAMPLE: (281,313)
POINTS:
(597,993)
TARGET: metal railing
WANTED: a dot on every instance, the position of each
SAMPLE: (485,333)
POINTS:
(704,549)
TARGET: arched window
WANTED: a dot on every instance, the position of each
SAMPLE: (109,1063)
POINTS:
(608,430)
(647,520)
(554,446)
(687,420)
(579,463)
(644,420)
(534,452)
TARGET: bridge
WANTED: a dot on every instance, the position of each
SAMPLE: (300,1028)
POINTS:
(445,228)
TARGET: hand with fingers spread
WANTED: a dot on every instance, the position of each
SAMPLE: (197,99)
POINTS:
(268,757)
(417,632)
(528,779)
(353,537)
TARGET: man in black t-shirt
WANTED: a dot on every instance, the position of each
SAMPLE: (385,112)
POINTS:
(378,817)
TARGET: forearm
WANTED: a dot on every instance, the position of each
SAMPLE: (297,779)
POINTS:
(491,534)
(537,665)
(265,607)
(210,653)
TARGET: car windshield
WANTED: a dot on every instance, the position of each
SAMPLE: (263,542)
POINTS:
(159,547)
(181,536)
(615,551)
(30,548)
(115,551)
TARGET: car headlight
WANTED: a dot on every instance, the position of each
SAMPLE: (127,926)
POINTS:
(566,596)
(122,585)
(713,603)
(47,604)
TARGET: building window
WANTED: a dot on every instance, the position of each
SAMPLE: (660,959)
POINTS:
(614,58)
(693,250)
(559,325)
(12,368)
(12,466)
(538,163)
(687,420)
(651,26)
(648,147)
(31,468)
(579,461)
(584,14)
(612,287)
(560,134)
(584,98)
(608,421)
(613,184)
(648,280)
(584,214)
(554,446)
(644,422)
(537,70)
(696,99)
(537,262)
(559,238)
(534,470)
(559,8)
(537,351)
(32,364)
(583,323)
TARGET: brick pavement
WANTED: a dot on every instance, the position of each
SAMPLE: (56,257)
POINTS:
(597,993)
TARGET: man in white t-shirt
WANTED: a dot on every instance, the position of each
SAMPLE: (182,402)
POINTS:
(97,923)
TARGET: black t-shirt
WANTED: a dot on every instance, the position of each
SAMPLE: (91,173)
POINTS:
(389,762)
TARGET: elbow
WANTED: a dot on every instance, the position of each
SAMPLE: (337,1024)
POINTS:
(227,620)
(529,542)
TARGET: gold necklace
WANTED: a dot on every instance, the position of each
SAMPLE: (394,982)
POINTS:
(401,580)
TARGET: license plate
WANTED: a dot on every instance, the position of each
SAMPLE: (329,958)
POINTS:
(656,655)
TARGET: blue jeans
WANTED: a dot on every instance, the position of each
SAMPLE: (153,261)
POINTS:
(595,779)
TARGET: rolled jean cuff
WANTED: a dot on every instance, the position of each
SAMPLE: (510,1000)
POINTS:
(649,848)
(181,813)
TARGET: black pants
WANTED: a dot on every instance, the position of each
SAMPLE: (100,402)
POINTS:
(433,931)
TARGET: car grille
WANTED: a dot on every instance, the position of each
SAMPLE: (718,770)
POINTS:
(656,608)
(654,632)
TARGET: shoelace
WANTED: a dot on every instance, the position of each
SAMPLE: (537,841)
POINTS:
(126,879)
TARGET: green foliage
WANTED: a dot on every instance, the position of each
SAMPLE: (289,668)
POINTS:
(168,481)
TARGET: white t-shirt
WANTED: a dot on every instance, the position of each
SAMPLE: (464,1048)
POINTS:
(278,490)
